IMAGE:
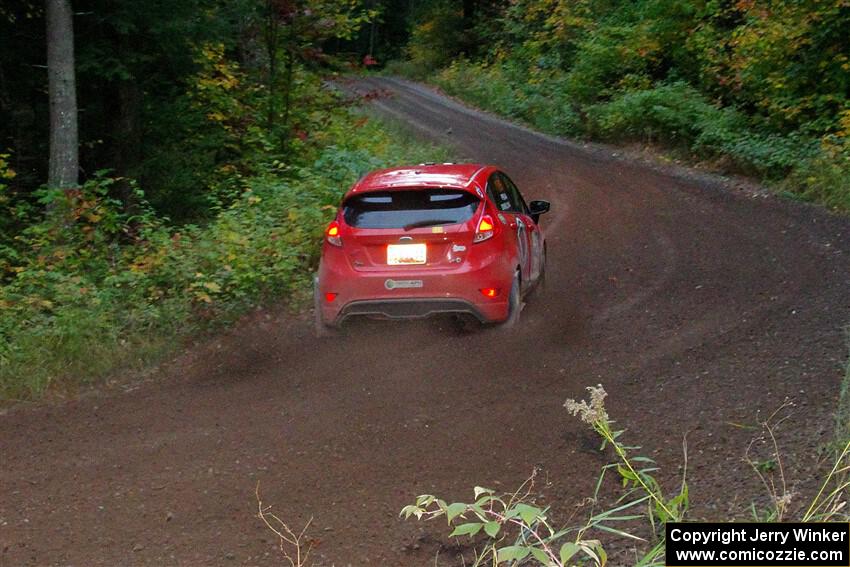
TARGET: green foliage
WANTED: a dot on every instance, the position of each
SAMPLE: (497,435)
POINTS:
(675,115)
(219,135)
(537,100)
(678,116)
(14,212)
(789,60)
(180,96)
(825,177)
(213,136)
(518,530)
(216,108)
(312,22)
(6,171)
(436,39)
(510,529)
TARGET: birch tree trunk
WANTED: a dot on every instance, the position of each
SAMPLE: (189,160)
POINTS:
(62,93)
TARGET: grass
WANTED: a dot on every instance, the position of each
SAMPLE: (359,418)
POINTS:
(842,414)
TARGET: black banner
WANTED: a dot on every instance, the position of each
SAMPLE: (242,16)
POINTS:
(758,545)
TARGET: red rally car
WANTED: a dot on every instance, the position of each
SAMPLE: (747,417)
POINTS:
(435,238)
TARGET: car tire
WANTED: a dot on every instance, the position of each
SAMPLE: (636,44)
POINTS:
(540,285)
(321,329)
(514,304)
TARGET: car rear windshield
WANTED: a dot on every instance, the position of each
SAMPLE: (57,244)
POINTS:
(409,208)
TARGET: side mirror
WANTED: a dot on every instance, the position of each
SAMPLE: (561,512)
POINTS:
(537,208)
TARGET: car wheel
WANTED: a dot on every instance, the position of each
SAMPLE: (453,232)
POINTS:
(320,328)
(514,304)
(540,285)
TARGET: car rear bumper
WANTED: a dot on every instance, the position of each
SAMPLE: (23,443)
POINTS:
(383,293)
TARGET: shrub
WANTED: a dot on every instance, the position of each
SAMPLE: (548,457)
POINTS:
(674,113)
(678,115)
(825,177)
(501,88)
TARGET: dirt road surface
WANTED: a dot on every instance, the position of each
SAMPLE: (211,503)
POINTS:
(699,307)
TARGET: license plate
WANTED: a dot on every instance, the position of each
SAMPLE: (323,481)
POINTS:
(406,254)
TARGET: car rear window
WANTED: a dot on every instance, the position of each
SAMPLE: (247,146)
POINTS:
(409,209)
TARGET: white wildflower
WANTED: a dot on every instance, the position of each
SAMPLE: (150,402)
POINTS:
(593,411)
(782,502)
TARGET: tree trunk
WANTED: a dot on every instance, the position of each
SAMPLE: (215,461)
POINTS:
(468,19)
(287,82)
(62,92)
(271,38)
(372,25)
(469,10)
(129,142)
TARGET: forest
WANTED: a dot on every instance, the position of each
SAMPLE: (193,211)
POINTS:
(209,140)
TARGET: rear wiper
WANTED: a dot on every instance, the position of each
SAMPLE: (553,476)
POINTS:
(430,222)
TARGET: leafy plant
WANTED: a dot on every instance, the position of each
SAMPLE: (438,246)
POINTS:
(511,529)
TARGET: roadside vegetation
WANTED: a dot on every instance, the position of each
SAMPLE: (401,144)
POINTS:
(510,529)
(203,147)
(209,162)
(760,87)
(515,529)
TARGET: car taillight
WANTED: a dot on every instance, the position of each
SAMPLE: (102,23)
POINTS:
(330,296)
(484,230)
(332,233)
(490,292)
